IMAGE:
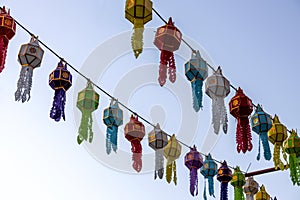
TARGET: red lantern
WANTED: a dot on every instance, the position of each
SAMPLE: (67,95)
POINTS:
(167,40)
(135,132)
(7,32)
(240,108)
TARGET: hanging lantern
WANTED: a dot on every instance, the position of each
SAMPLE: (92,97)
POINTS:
(30,57)
(261,123)
(7,32)
(167,40)
(262,194)
(250,188)
(138,12)
(292,147)
(112,118)
(157,141)
(193,161)
(172,152)
(87,102)
(224,176)
(238,181)
(217,87)
(209,170)
(240,108)
(135,132)
(60,80)
(196,72)
(277,135)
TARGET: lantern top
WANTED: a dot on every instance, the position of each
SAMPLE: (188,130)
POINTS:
(276,119)
(3,11)
(262,194)
(224,173)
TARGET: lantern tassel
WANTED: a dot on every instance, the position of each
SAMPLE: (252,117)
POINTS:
(24,84)
(197,94)
(137,40)
(204,192)
(171,167)
(85,129)
(243,135)
(238,193)
(193,182)
(136,149)
(276,157)
(211,186)
(58,107)
(167,60)
(175,173)
(224,191)
(159,163)
(249,197)
(108,143)
(3,51)
(219,114)
(294,169)
(266,146)
(111,139)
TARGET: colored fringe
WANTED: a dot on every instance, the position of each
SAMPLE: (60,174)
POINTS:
(276,157)
(238,193)
(24,84)
(171,167)
(3,51)
(224,191)
(243,135)
(159,163)
(167,61)
(193,182)
(211,186)
(197,94)
(137,40)
(85,129)
(263,137)
(136,149)
(294,169)
(219,115)
(58,108)
(111,139)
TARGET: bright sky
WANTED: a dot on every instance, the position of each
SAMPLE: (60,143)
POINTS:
(256,42)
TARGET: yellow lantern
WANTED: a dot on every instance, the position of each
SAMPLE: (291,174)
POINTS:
(262,194)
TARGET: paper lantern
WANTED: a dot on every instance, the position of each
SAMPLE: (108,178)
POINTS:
(224,176)
(87,102)
(250,188)
(30,57)
(193,161)
(262,194)
(196,72)
(60,80)
(7,32)
(172,152)
(277,135)
(238,181)
(261,123)
(135,132)
(217,87)
(112,118)
(292,147)
(138,12)
(167,40)
(240,108)
(209,170)
(157,141)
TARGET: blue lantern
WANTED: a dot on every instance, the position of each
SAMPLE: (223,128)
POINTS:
(196,72)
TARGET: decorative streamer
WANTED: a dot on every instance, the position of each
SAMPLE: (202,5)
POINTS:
(250,188)
(157,141)
(167,40)
(217,87)
(87,102)
(196,72)
(240,108)
(112,118)
(224,176)
(292,147)
(262,194)
(277,135)
(60,80)
(193,161)
(261,123)
(138,12)
(7,32)
(135,132)
(172,152)
(238,181)
(30,57)
(209,170)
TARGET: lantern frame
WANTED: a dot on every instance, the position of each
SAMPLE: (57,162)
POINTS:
(88,98)
(7,24)
(217,84)
(138,11)
(157,138)
(60,78)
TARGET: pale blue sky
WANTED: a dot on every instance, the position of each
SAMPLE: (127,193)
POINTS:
(256,42)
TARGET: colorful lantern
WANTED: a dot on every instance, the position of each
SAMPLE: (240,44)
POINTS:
(138,12)
(217,87)
(157,141)
(7,32)
(224,176)
(135,132)
(240,108)
(193,161)
(277,135)
(196,72)
(172,152)
(209,170)
(262,194)
(292,147)
(238,181)
(30,57)
(60,80)
(112,118)
(87,102)
(261,123)
(250,188)
(167,40)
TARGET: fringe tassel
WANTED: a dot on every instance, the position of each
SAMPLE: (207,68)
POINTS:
(224,191)
(211,186)
(137,40)
(266,146)
(171,168)
(219,115)
(197,94)
(159,163)
(238,193)
(193,182)
(294,169)
(85,129)
(243,135)
(58,108)
(136,149)
(24,84)
(111,139)
(167,60)
(3,51)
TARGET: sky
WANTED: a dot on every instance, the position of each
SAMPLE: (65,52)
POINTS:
(256,43)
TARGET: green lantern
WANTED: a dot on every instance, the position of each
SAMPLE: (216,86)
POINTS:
(238,181)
